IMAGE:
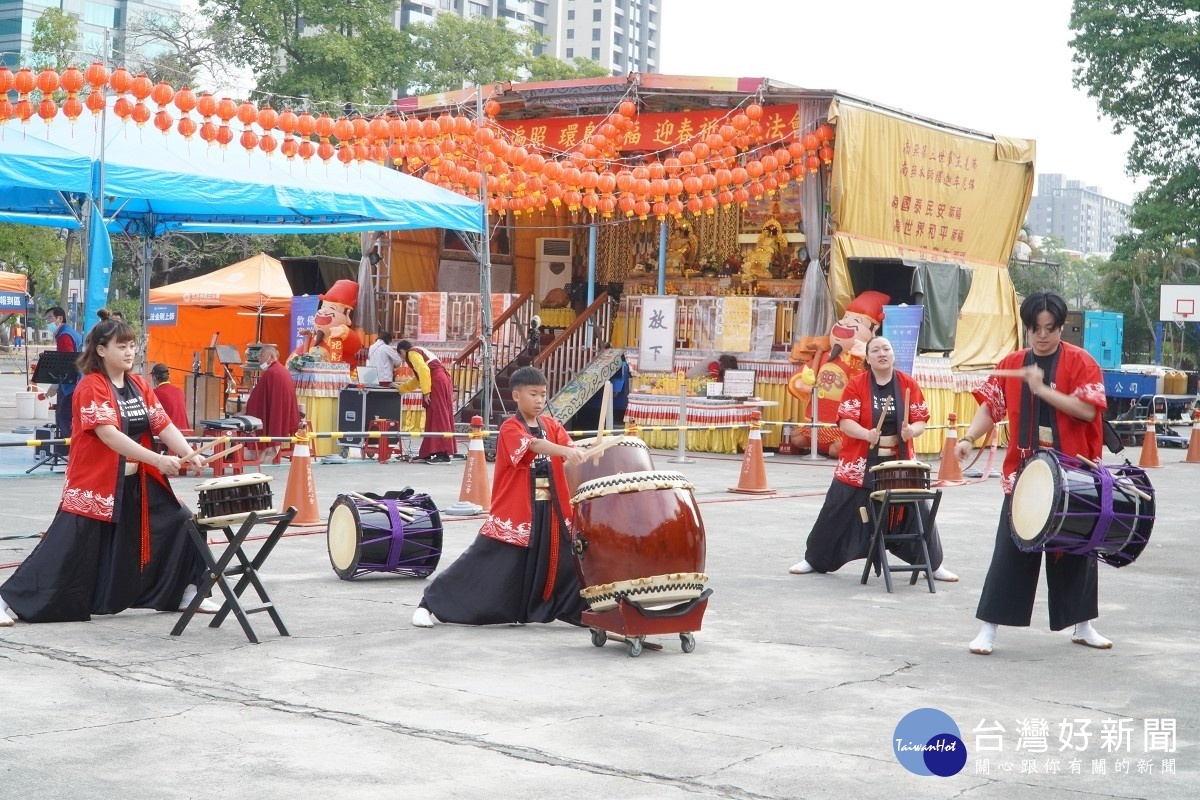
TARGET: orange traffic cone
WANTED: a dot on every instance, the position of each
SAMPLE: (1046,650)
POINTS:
(754,472)
(301,492)
(1193,453)
(1149,459)
(476,486)
(949,471)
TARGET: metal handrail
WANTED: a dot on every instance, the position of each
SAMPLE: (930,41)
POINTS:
(509,340)
(577,346)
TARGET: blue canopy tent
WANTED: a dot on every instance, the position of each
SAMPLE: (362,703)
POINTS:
(145,183)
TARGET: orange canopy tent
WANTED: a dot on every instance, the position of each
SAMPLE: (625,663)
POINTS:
(13,282)
(239,302)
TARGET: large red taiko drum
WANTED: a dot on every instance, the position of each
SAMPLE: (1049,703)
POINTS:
(620,454)
(639,537)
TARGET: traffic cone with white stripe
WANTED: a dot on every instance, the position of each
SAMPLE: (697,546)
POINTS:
(301,492)
(754,472)
(476,485)
(1149,459)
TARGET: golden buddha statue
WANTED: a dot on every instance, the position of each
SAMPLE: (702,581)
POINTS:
(682,248)
(771,250)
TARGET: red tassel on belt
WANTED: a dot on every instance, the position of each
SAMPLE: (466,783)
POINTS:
(145,521)
(552,569)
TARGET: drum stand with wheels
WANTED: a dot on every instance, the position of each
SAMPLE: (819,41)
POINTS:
(218,572)
(631,623)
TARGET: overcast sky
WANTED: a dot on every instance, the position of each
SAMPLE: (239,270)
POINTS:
(1001,68)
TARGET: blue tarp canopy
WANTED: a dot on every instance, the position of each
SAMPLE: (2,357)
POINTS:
(147,183)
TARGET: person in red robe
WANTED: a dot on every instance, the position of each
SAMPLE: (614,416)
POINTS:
(437,390)
(1057,403)
(120,538)
(273,400)
(519,568)
(839,534)
(171,397)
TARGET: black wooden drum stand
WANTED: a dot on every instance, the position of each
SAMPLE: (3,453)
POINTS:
(219,572)
(882,504)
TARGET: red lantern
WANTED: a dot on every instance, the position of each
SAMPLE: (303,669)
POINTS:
(695,205)
(141,114)
(430,129)
(396,128)
(754,111)
(360,127)
(491,108)
(206,105)
(701,151)
(6,109)
(741,196)
(413,128)
(208,132)
(187,127)
(288,122)
(123,108)
(796,151)
(72,108)
(267,144)
(141,87)
(306,124)
(96,76)
(226,109)
(24,80)
(324,129)
(709,203)
(754,169)
(739,175)
(185,100)
(47,81)
(825,134)
(627,109)
(641,208)
(813,163)
(810,142)
(290,148)
(72,80)
(224,135)
(23,110)
(247,114)
(267,118)
(826,154)
(6,79)
(162,93)
(163,120)
(48,109)
(379,128)
(307,150)
(120,80)
(95,101)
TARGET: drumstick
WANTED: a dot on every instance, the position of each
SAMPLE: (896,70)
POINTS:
(906,392)
(222,454)
(605,405)
(887,406)
(404,513)
(1007,373)
(1124,481)
(595,450)
(213,443)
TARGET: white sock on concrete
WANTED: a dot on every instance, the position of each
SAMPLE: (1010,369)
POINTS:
(7,615)
(1085,634)
(423,619)
(985,641)
(803,568)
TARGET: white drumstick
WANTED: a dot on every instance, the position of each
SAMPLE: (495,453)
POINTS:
(1120,479)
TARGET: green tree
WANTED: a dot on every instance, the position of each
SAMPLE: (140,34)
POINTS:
(55,40)
(35,252)
(454,52)
(342,51)
(548,68)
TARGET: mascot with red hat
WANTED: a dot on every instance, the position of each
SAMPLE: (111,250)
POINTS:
(831,372)
(335,331)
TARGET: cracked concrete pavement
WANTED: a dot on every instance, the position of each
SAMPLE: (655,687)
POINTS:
(794,690)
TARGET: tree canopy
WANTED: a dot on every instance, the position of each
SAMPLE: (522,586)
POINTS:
(455,52)
(546,67)
(55,41)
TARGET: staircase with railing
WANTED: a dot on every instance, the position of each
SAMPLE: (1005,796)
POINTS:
(510,340)
(578,362)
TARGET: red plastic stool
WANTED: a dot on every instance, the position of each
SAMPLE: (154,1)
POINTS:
(234,462)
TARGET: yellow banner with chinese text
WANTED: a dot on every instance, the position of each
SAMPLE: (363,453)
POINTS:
(902,188)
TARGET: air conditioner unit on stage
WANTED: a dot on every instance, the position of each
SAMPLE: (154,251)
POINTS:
(553,266)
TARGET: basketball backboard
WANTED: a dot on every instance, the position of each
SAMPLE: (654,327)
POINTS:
(1179,303)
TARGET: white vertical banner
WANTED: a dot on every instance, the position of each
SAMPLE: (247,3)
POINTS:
(656,349)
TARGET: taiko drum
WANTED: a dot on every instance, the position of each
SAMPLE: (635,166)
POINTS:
(621,454)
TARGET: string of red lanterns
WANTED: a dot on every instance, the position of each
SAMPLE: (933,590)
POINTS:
(726,166)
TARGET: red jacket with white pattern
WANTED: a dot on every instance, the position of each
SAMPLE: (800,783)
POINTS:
(1077,374)
(94,470)
(856,405)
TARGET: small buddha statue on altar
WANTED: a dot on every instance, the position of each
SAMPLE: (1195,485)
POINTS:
(682,248)
(771,251)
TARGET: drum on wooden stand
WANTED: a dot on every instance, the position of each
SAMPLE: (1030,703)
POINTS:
(620,454)
(398,532)
(901,475)
(231,499)
(638,537)
(1062,504)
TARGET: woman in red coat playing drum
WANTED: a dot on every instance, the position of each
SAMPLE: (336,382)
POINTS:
(873,433)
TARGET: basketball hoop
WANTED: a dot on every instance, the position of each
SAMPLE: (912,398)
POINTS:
(1181,319)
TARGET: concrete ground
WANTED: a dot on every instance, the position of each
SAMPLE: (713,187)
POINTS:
(795,689)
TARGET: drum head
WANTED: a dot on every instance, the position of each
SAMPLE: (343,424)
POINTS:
(344,537)
(919,466)
(1033,499)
